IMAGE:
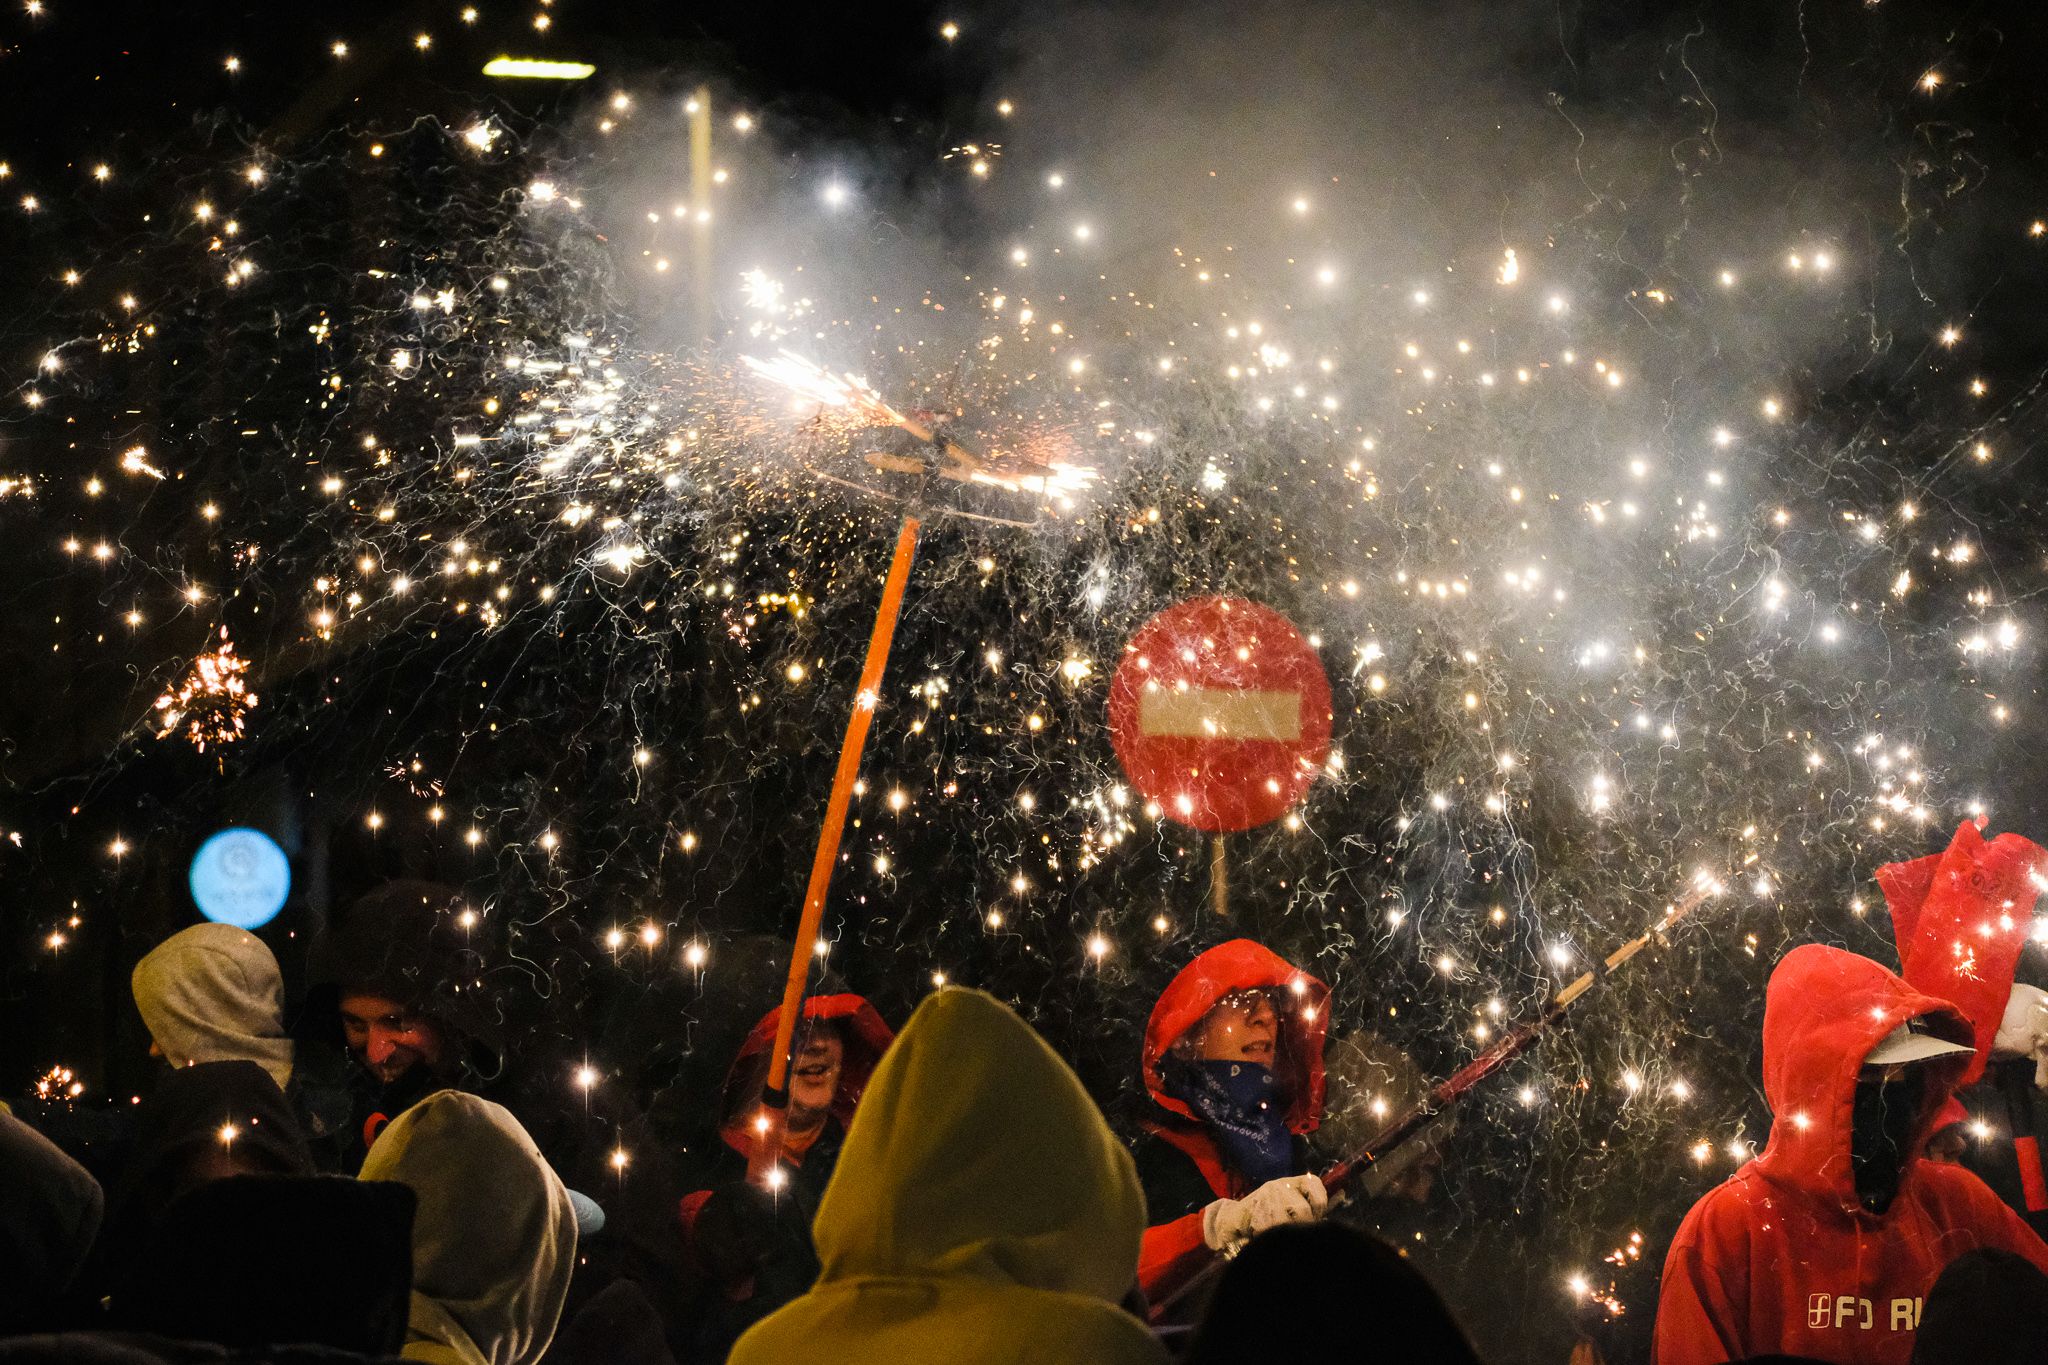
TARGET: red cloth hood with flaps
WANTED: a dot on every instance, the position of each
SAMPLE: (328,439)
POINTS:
(1824,1010)
(1242,965)
(1783,1256)
(867,1038)
(1961,919)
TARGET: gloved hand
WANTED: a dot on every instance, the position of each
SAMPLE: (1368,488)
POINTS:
(2023,1032)
(740,1229)
(1229,1223)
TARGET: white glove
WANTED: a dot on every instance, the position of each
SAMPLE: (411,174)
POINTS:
(2023,1032)
(1229,1223)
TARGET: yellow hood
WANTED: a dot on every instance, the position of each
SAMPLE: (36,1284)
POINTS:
(494,1240)
(981,1210)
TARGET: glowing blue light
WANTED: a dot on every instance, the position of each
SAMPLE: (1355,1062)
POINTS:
(241,877)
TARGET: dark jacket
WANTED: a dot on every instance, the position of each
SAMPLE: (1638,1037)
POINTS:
(254,1260)
(1179,1165)
(50,1211)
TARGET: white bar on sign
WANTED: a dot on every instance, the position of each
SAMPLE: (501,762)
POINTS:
(1219,713)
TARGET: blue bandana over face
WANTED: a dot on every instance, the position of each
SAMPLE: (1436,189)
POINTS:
(1246,1111)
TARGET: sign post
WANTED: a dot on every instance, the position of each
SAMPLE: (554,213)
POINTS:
(1220,714)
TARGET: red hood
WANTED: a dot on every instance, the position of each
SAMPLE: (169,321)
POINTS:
(1961,919)
(1824,1010)
(867,1038)
(1235,966)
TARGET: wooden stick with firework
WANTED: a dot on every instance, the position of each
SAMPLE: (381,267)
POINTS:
(941,458)
(1405,1126)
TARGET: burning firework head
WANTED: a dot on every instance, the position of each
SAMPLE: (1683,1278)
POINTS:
(212,703)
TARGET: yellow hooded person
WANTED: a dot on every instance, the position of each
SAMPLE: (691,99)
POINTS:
(981,1212)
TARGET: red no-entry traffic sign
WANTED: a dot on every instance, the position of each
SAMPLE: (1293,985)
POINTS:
(1220,712)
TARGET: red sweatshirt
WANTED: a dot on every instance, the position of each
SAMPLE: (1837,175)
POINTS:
(1173,1248)
(1784,1257)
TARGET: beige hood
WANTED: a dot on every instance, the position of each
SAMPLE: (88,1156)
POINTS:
(494,1240)
(212,993)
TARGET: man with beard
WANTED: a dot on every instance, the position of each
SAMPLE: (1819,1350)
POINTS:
(410,981)
(1825,1246)
(403,979)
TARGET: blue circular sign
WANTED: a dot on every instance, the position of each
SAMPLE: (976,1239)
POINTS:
(241,877)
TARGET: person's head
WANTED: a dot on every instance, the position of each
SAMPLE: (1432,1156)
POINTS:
(977,1152)
(405,982)
(232,1261)
(1891,1102)
(1857,1067)
(1414,1181)
(1307,1292)
(213,993)
(1948,1145)
(389,1038)
(203,1123)
(1244,1026)
(1240,1008)
(1372,1083)
(1896,1095)
(814,1074)
(494,1235)
(838,1040)
(1989,1307)
(213,1120)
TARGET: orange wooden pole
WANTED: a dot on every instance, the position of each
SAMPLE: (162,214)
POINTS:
(772,1121)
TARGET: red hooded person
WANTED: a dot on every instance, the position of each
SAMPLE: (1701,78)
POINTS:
(1233,1060)
(751,1246)
(1825,1246)
(1961,919)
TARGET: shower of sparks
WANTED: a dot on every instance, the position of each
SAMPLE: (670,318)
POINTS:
(532,475)
(212,703)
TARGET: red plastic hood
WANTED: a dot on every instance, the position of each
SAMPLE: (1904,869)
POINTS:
(867,1038)
(1240,965)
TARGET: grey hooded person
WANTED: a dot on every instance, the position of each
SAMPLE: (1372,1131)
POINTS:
(213,993)
(494,1238)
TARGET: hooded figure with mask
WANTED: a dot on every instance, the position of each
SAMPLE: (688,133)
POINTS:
(1826,1245)
(982,1212)
(1233,1057)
